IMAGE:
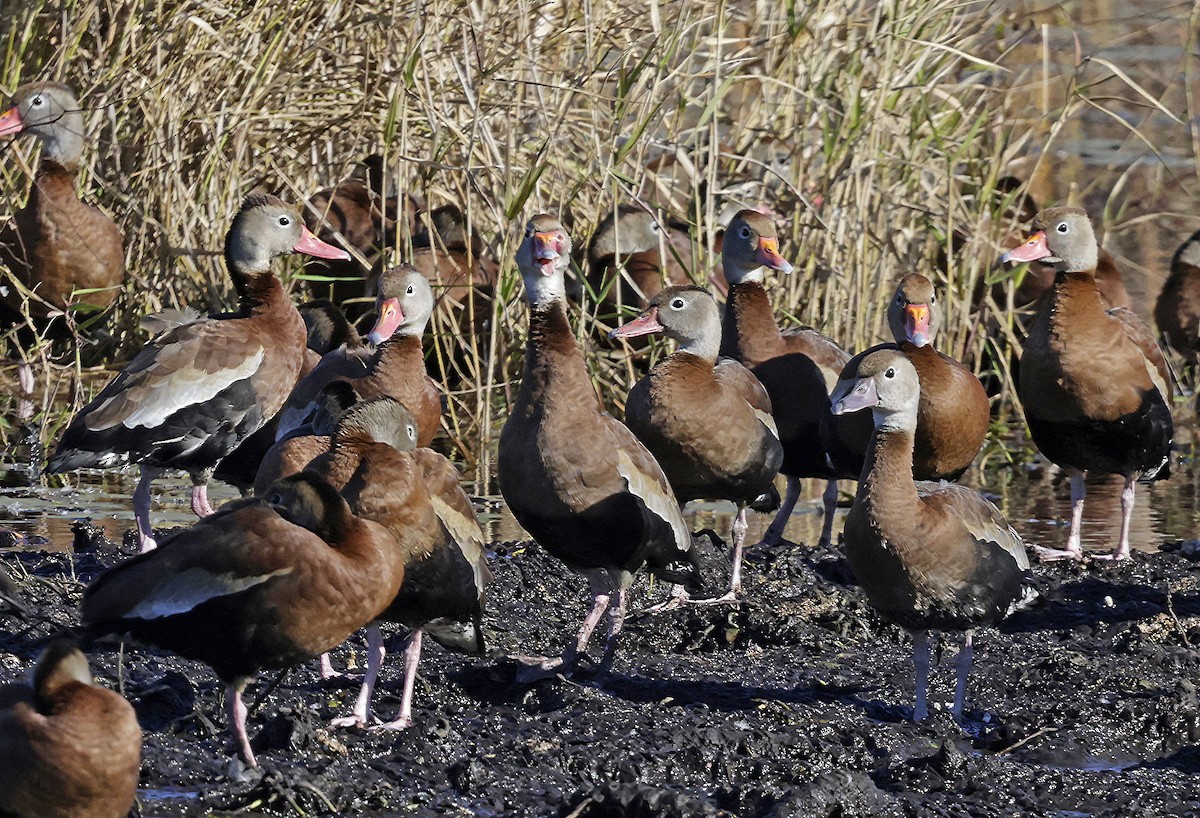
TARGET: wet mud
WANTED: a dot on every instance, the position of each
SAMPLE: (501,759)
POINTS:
(795,703)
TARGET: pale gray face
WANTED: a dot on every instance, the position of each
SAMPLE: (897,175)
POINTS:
(50,112)
(382,420)
(914,314)
(626,232)
(543,258)
(404,302)
(749,245)
(688,314)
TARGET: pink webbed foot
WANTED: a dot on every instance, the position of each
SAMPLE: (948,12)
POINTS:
(1053,554)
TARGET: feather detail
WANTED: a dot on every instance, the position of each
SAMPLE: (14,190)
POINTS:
(650,492)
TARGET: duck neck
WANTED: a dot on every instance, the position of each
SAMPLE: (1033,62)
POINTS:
(256,286)
(886,486)
(63,144)
(552,358)
(1076,299)
(749,333)
(705,348)
(400,347)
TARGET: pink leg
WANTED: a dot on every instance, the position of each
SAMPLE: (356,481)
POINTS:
(615,623)
(141,508)
(678,597)
(600,586)
(829,498)
(362,704)
(775,533)
(26,383)
(1122,550)
(1074,550)
(200,506)
(412,657)
(921,674)
(235,713)
(735,582)
(963,663)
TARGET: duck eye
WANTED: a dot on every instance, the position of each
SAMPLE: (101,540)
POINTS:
(1062,227)
(409,291)
(412,433)
(676,303)
(891,373)
(276,499)
(745,231)
(284,221)
(36,102)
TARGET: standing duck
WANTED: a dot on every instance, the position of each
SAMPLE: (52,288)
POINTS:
(68,747)
(927,555)
(574,477)
(395,368)
(707,422)
(797,368)
(416,495)
(58,248)
(197,391)
(263,583)
(1177,311)
(953,416)
(1094,385)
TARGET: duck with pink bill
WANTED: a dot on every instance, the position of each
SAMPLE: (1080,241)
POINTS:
(706,420)
(198,390)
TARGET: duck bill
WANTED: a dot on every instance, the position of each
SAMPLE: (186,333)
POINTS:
(390,319)
(863,395)
(644,324)
(310,245)
(545,252)
(10,122)
(1033,250)
(767,255)
(916,324)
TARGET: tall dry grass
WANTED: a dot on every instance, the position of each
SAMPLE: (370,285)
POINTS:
(874,130)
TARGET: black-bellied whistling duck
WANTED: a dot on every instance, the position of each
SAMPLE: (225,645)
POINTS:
(574,477)
(395,368)
(328,329)
(929,556)
(357,214)
(707,422)
(797,368)
(417,496)
(61,249)
(452,258)
(953,416)
(292,453)
(1177,310)
(1094,385)
(263,583)
(68,747)
(197,391)
(632,256)
(12,603)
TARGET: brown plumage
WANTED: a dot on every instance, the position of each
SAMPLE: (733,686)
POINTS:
(707,422)
(68,747)
(197,391)
(263,583)
(928,556)
(574,477)
(56,245)
(1094,385)
(395,368)
(1177,310)
(953,415)
(357,214)
(797,368)
(632,256)
(416,495)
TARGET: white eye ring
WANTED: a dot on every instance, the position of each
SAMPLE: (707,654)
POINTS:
(284,221)
(1063,227)
(676,303)
(745,231)
(409,291)
(891,373)
(412,433)
(36,102)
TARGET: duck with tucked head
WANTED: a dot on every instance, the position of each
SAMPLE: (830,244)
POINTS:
(68,747)
(574,477)
(264,583)
(707,421)
(1093,382)
(928,555)
(194,393)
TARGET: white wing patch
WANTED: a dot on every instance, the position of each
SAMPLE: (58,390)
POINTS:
(158,399)
(188,589)
(767,420)
(648,489)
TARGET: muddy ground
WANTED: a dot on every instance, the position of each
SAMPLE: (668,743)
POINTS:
(793,704)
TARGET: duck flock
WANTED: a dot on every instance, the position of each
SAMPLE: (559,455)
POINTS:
(350,520)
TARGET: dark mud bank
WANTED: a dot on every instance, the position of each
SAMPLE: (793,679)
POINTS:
(793,704)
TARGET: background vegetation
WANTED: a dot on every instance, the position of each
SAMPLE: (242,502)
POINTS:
(875,131)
